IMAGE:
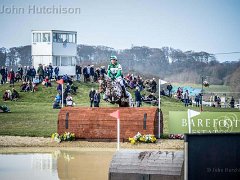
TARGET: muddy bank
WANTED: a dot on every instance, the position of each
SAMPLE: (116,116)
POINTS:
(40,144)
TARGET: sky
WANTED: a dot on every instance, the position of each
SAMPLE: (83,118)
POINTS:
(199,25)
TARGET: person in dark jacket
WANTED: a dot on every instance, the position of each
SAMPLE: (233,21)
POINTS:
(78,72)
(50,69)
(91,96)
(56,72)
(40,72)
(92,73)
(2,72)
(232,102)
(153,86)
(85,74)
(169,88)
(20,71)
(138,97)
(96,99)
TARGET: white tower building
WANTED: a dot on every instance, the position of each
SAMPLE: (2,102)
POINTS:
(56,47)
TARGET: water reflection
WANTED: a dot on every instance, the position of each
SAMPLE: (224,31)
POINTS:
(57,165)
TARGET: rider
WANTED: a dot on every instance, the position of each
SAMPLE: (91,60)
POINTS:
(115,73)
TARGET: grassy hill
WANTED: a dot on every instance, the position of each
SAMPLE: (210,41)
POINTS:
(32,114)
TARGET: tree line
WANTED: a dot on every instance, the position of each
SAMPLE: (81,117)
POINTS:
(167,63)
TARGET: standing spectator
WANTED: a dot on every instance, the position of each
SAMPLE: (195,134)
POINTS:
(153,86)
(232,102)
(6,74)
(179,93)
(40,72)
(56,72)
(29,73)
(96,99)
(78,72)
(50,69)
(32,73)
(218,101)
(102,72)
(11,76)
(20,71)
(25,73)
(92,73)
(85,74)
(169,88)
(197,100)
(2,72)
(138,97)
(91,96)
(186,98)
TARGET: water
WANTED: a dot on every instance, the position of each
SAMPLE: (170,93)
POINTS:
(57,165)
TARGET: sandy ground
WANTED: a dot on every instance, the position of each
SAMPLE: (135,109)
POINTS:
(13,144)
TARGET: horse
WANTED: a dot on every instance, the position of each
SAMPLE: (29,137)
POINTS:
(113,92)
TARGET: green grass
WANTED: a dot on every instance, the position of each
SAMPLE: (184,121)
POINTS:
(32,114)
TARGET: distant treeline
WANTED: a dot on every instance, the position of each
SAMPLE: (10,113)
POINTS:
(167,63)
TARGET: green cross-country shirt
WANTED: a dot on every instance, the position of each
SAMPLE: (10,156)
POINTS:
(114,70)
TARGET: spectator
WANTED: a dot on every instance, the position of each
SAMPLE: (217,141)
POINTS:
(92,73)
(169,88)
(78,72)
(2,72)
(57,101)
(5,75)
(162,92)
(91,96)
(11,76)
(102,72)
(69,100)
(40,72)
(85,74)
(29,73)
(197,100)
(73,89)
(232,102)
(50,69)
(153,86)
(47,82)
(186,98)
(56,72)
(138,97)
(20,71)
(59,88)
(8,95)
(32,73)
(179,93)
(96,99)
(15,94)
(218,101)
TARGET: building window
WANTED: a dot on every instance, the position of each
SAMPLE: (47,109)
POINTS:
(36,37)
(46,37)
(56,61)
(64,37)
(68,61)
(54,37)
(70,38)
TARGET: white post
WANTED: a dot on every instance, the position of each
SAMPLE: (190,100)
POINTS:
(118,134)
(159,107)
(186,161)
(62,95)
(189,122)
